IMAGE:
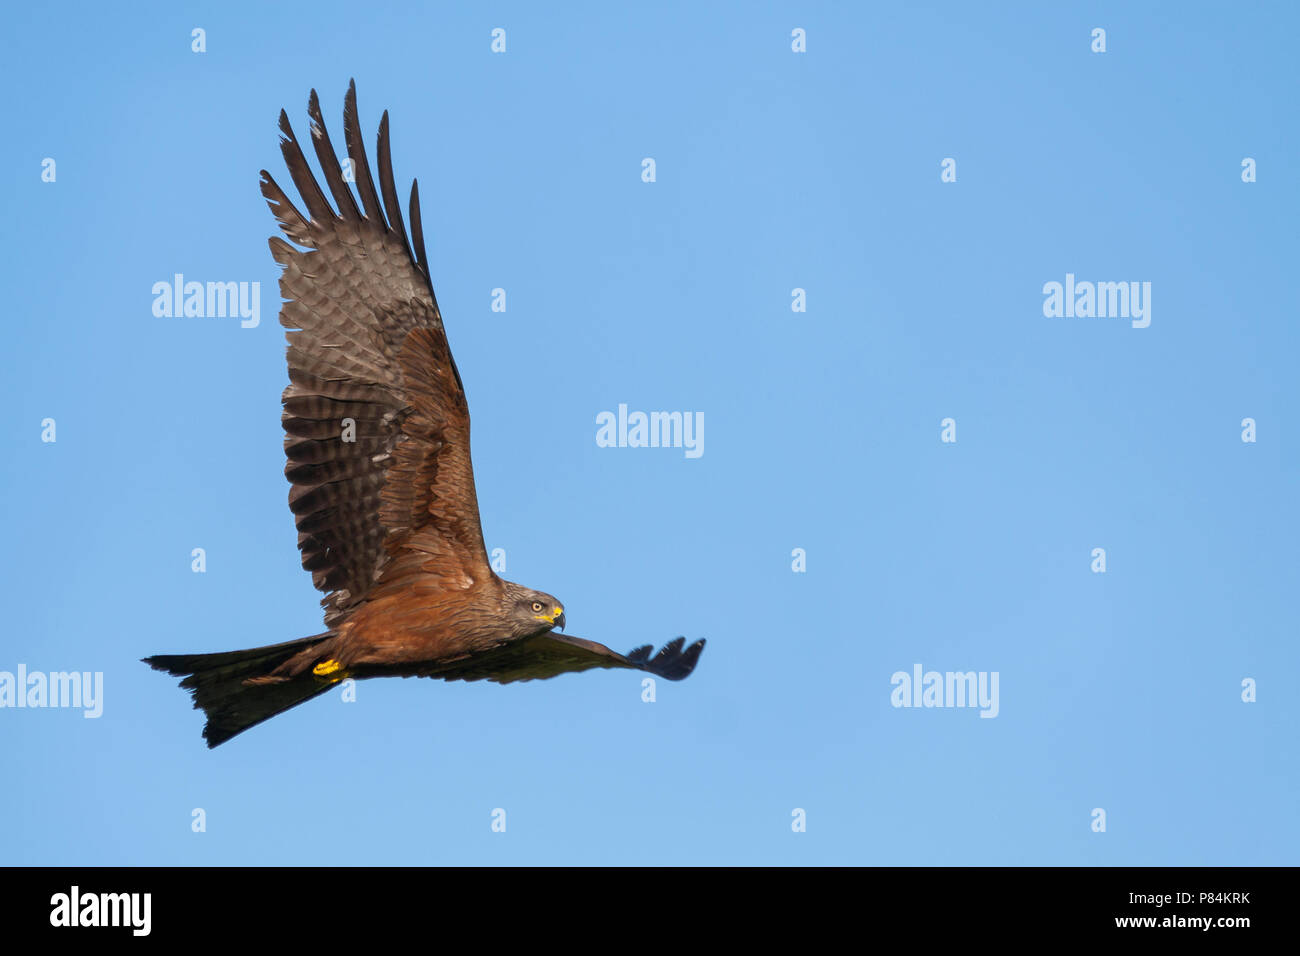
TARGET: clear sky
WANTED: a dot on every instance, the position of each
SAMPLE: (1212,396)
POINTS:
(773,171)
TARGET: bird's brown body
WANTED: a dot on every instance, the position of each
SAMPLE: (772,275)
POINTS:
(420,621)
(377,440)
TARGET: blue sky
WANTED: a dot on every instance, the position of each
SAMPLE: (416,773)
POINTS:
(775,171)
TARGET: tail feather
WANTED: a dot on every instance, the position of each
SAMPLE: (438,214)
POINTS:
(225,686)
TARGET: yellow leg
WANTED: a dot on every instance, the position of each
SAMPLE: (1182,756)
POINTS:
(331,669)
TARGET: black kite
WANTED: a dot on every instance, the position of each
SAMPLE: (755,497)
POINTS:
(387,517)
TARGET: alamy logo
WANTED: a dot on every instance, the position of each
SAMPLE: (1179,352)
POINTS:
(653,430)
(947,689)
(1100,300)
(55,689)
(102,909)
(213,300)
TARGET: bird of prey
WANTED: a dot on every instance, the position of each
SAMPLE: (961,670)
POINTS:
(377,439)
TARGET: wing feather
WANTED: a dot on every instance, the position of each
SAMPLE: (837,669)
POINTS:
(391,202)
(550,654)
(375,417)
(329,162)
(357,152)
(417,232)
(308,188)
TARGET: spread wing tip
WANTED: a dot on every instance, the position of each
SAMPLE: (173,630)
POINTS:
(671,663)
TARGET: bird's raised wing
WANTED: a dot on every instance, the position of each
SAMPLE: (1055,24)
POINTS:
(549,654)
(375,417)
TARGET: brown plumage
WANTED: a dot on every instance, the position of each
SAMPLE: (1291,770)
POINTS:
(377,439)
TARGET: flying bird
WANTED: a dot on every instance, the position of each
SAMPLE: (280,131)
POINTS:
(377,439)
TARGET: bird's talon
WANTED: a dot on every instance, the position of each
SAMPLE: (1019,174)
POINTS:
(328,668)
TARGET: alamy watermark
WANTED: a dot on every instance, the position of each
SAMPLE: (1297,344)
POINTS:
(946,689)
(82,689)
(75,908)
(651,430)
(211,300)
(1099,300)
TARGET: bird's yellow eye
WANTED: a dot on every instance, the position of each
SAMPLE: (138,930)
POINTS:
(537,606)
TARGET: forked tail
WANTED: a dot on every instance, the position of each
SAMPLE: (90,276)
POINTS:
(233,687)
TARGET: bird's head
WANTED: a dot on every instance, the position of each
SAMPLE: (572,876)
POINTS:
(532,611)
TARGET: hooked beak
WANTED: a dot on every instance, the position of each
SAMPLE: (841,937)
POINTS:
(555,618)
